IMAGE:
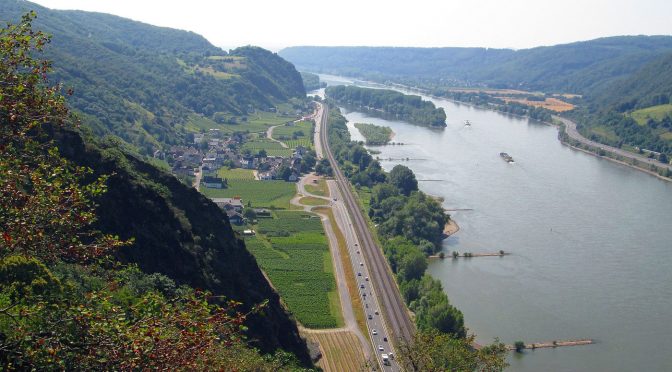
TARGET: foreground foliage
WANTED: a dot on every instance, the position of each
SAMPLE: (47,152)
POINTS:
(432,351)
(64,301)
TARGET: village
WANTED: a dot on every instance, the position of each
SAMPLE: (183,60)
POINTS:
(199,162)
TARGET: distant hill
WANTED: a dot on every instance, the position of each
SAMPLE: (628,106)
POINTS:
(145,83)
(616,77)
(633,111)
(569,68)
(651,85)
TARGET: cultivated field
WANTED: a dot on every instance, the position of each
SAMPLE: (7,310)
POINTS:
(258,122)
(552,104)
(294,252)
(266,194)
(294,134)
(341,351)
(235,174)
(272,148)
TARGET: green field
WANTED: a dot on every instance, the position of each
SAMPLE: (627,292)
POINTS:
(375,134)
(198,123)
(604,132)
(320,188)
(656,113)
(272,148)
(235,174)
(294,253)
(261,194)
(256,123)
(294,134)
(309,200)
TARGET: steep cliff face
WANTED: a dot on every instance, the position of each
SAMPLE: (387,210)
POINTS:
(183,235)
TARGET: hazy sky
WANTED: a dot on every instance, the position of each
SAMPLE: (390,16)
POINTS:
(275,24)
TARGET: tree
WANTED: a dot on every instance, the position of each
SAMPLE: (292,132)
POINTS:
(412,265)
(46,212)
(519,346)
(432,351)
(404,179)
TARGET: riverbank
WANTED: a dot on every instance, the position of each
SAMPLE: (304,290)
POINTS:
(450,228)
(594,149)
(518,297)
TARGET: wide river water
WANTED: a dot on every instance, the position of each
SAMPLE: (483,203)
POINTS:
(591,241)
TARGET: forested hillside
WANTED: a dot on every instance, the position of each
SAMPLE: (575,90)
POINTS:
(633,112)
(145,83)
(181,234)
(108,263)
(568,68)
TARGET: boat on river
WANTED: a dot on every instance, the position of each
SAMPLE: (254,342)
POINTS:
(507,158)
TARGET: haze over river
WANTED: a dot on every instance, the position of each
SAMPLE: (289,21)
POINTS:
(591,241)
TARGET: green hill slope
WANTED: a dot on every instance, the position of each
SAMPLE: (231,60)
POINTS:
(570,68)
(180,233)
(142,82)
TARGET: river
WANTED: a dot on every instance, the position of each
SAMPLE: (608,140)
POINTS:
(591,240)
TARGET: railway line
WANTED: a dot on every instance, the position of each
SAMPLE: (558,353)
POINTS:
(393,308)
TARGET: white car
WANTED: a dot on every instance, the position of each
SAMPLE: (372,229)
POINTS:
(374,332)
(380,348)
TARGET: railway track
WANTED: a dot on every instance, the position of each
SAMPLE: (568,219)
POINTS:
(393,307)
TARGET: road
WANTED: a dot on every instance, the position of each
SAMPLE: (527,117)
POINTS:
(197,178)
(341,282)
(269,135)
(570,129)
(380,290)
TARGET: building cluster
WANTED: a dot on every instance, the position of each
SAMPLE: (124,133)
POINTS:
(212,150)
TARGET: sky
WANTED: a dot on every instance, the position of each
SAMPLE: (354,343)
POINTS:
(274,24)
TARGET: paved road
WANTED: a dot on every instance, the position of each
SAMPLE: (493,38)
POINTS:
(317,140)
(346,304)
(381,287)
(570,129)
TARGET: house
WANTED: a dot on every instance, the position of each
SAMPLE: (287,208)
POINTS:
(213,182)
(300,150)
(267,176)
(235,204)
(293,177)
(248,162)
(235,217)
